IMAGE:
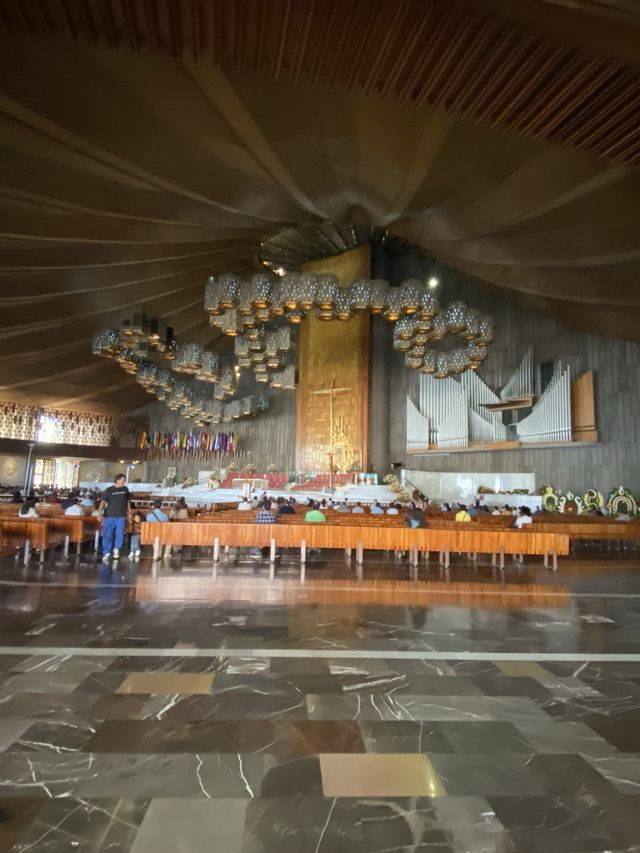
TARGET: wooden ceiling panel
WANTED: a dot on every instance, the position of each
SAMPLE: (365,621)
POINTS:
(147,144)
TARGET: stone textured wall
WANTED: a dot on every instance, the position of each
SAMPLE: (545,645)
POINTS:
(615,460)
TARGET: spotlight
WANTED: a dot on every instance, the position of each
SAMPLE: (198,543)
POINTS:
(433,282)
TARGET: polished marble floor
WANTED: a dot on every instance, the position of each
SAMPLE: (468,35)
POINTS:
(164,711)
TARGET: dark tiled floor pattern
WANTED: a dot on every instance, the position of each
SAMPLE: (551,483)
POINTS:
(133,722)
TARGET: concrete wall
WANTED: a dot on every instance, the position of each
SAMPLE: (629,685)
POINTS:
(616,365)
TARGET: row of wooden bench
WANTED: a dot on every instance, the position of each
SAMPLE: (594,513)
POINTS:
(302,536)
(41,534)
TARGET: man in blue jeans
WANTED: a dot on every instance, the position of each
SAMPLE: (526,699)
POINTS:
(115,508)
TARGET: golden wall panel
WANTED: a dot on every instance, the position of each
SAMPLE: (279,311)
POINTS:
(334,354)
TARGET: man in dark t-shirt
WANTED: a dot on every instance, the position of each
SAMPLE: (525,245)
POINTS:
(114,506)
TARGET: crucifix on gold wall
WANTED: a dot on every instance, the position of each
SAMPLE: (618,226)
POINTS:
(333,365)
(331,391)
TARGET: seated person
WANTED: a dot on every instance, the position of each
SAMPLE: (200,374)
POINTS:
(462,514)
(393,509)
(157,513)
(265,516)
(357,508)
(244,505)
(314,514)
(74,509)
(376,509)
(496,511)
(180,511)
(473,510)
(415,518)
(445,507)
(28,510)
(96,510)
(524,518)
(284,507)
(87,500)
(342,508)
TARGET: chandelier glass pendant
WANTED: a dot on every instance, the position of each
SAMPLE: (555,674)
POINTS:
(419,320)
(457,320)
(198,383)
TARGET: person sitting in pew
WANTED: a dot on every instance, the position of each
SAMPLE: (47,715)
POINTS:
(415,518)
(314,514)
(376,509)
(285,507)
(244,505)
(524,518)
(393,509)
(342,508)
(265,516)
(462,514)
(157,513)
(28,510)
(74,509)
(357,508)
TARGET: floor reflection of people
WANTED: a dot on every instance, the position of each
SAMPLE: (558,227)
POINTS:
(116,585)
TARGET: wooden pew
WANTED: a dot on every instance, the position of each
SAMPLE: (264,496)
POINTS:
(31,533)
(462,538)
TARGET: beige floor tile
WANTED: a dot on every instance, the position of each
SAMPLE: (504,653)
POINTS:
(523,669)
(167,682)
(379,776)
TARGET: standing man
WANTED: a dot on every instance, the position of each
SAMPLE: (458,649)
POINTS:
(115,508)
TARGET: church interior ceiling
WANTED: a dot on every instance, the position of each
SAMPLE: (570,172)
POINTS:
(145,146)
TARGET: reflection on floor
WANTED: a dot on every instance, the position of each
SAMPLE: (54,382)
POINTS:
(172,712)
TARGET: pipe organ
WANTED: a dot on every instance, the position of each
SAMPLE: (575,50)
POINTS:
(465,412)
(550,418)
(521,383)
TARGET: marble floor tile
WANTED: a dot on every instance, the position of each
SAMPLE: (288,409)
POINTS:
(569,688)
(118,706)
(45,705)
(84,825)
(167,683)
(623,770)
(561,737)
(477,775)
(404,736)
(168,664)
(546,824)
(349,825)
(371,775)
(56,736)
(300,666)
(232,705)
(622,731)
(485,737)
(570,775)
(522,669)
(187,776)
(11,729)
(42,775)
(16,816)
(177,825)
(309,737)
(472,826)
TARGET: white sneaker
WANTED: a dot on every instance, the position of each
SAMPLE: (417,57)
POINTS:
(136,555)
(106,557)
(116,553)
